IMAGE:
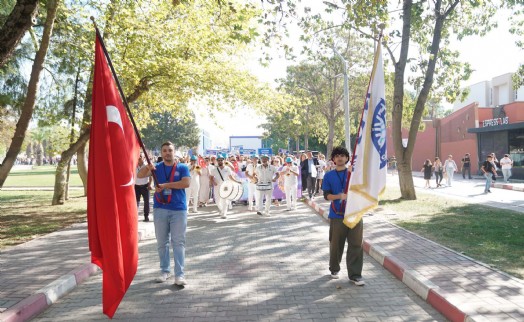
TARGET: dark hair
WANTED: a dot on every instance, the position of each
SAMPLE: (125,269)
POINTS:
(166,143)
(339,150)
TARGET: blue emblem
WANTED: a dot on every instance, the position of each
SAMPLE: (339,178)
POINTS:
(378,131)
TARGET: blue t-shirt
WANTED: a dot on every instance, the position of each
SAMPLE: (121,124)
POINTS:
(334,183)
(178,196)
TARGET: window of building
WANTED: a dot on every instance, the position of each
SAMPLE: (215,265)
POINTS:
(516,147)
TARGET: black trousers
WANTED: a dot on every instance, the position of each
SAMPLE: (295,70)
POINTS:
(142,191)
(311,181)
(339,234)
(464,170)
(304,182)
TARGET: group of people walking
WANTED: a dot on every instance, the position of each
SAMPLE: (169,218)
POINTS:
(177,183)
(449,167)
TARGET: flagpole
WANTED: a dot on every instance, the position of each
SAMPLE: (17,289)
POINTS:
(124,100)
(346,188)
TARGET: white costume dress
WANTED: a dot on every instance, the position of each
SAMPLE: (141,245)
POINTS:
(221,175)
(265,187)
(194,187)
(290,186)
(251,187)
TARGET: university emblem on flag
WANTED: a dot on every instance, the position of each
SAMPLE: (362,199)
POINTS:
(378,131)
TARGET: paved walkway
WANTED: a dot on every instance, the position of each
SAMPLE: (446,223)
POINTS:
(250,268)
(240,269)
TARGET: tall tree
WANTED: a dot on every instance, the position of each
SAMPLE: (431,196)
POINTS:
(427,27)
(165,126)
(15,26)
(173,54)
(32,90)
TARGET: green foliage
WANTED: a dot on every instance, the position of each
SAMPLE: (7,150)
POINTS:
(167,127)
(165,54)
(517,29)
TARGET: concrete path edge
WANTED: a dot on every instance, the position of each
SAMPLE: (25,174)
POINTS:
(43,298)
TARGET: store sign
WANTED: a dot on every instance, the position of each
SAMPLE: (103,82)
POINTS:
(495,122)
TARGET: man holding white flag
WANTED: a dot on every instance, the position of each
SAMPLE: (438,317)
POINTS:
(335,187)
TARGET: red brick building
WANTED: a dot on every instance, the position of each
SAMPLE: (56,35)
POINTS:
(475,130)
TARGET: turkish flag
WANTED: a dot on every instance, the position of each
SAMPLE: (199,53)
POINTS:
(112,216)
(201,162)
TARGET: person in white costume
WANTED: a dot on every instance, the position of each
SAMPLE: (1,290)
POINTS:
(205,186)
(219,175)
(251,183)
(266,175)
(194,187)
(290,173)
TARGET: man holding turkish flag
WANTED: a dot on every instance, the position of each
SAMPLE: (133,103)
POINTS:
(111,204)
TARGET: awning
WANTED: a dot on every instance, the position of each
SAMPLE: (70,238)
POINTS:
(497,128)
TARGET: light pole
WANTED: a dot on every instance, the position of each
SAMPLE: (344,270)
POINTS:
(346,100)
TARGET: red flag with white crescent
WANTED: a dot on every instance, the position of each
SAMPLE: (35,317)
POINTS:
(201,162)
(111,205)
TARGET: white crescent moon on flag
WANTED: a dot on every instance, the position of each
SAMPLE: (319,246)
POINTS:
(113,115)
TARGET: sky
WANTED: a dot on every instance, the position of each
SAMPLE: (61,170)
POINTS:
(490,56)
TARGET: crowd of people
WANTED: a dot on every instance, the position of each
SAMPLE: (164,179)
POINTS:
(194,181)
(447,169)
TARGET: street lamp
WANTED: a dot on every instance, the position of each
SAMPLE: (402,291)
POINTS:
(346,100)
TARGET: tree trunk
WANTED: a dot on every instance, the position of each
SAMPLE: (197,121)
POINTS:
(39,153)
(19,20)
(407,189)
(404,154)
(82,165)
(32,91)
(60,174)
(405,180)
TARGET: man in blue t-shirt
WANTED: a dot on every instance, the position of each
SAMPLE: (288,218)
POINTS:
(334,185)
(170,211)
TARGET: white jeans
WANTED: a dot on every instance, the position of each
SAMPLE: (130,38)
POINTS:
(192,192)
(291,196)
(222,204)
(260,200)
(252,195)
(449,177)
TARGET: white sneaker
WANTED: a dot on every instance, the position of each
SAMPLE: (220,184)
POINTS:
(266,214)
(163,277)
(180,281)
(359,281)
(223,216)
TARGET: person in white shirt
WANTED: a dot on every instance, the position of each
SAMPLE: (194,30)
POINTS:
(450,167)
(219,175)
(205,191)
(194,187)
(505,164)
(290,173)
(266,175)
(251,183)
(142,187)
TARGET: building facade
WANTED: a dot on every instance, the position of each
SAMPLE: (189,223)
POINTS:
(491,121)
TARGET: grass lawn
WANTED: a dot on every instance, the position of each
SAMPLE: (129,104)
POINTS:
(29,214)
(491,235)
(43,176)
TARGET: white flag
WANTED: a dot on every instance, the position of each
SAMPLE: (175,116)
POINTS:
(368,179)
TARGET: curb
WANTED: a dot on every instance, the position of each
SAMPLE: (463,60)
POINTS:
(49,294)
(507,186)
(46,296)
(423,287)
